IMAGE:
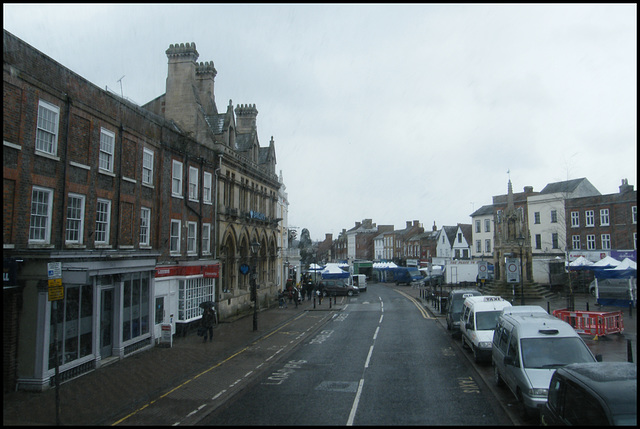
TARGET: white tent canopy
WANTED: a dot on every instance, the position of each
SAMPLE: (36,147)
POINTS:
(381,265)
(607,261)
(581,262)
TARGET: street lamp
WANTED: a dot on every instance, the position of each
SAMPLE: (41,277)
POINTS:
(255,247)
(520,241)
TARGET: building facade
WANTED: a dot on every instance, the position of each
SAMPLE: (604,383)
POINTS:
(114,213)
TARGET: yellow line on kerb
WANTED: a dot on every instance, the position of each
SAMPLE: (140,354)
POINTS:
(202,373)
(424,312)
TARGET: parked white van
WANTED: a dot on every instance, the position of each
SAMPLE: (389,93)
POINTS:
(528,346)
(477,322)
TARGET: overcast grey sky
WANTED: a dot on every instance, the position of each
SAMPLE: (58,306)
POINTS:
(389,112)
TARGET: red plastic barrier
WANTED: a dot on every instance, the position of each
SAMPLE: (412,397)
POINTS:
(592,322)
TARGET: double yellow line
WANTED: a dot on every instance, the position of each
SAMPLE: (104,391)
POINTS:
(418,304)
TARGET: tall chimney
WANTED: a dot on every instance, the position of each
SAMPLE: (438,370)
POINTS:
(180,102)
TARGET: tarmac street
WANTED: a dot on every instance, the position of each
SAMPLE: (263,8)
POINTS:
(124,392)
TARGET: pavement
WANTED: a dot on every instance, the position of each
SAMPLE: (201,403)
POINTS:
(121,392)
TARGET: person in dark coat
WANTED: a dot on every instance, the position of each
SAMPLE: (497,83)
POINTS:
(208,319)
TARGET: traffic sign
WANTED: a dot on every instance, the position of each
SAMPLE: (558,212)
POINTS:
(513,270)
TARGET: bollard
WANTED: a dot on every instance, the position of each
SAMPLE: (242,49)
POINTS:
(314,302)
(629,351)
(630,308)
(587,306)
(548,311)
(329,302)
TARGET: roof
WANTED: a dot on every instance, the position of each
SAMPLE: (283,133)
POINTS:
(531,322)
(615,382)
(569,187)
(483,211)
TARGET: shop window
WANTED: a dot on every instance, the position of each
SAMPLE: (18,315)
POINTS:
(74,316)
(135,305)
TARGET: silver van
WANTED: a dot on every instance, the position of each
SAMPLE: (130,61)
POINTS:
(528,346)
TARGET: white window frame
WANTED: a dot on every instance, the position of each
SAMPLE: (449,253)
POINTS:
(589,218)
(145,226)
(487,245)
(207,194)
(174,234)
(47,128)
(604,217)
(575,242)
(193,183)
(192,238)
(605,240)
(41,215)
(555,240)
(478,226)
(75,224)
(634,214)
(536,218)
(575,219)
(147,166)
(478,246)
(487,225)
(107,148)
(103,221)
(591,242)
(206,238)
(176,179)
(554,216)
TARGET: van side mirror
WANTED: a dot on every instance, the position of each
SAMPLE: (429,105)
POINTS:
(508,360)
(468,325)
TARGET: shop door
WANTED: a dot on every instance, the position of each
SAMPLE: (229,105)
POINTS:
(106,323)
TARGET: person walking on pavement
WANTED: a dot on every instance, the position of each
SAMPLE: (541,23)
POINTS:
(207,323)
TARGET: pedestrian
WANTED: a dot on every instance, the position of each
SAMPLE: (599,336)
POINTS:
(208,318)
(303,291)
(282,302)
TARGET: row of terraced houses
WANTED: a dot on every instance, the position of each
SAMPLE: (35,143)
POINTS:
(563,221)
(120,220)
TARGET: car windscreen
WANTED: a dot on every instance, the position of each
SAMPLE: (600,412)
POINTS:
(551,352)
(487,320)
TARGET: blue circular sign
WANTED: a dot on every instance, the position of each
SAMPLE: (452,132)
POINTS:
(244,269)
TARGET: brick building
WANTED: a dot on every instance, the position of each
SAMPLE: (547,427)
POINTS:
(126,201)
(603,225)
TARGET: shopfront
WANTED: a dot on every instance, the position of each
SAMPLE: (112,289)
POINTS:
(179,291)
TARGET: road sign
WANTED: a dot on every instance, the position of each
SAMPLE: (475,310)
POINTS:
(513,270)
(56,293)
(483,270)
(54,270)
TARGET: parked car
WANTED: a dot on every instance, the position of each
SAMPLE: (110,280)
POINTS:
(337,287)
(528,346)
(479,317)
(454,308)
(602,394)
(612,288)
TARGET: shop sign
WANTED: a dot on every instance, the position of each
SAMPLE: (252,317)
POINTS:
(207,271)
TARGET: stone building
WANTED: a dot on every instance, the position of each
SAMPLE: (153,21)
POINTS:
(246,184)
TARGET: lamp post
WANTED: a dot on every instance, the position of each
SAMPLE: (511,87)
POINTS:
(255,247)
(520,241)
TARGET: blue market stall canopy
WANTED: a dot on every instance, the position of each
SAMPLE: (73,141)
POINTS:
(332,271)
(625,269)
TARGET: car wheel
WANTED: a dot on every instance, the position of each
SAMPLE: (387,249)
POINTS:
(350,293)
(592,292)
(496,377)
